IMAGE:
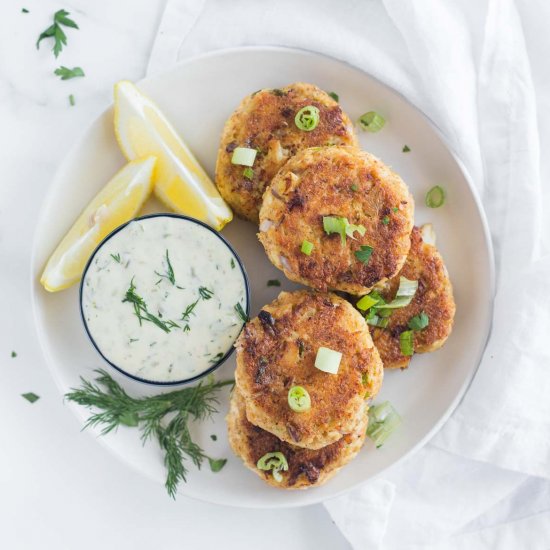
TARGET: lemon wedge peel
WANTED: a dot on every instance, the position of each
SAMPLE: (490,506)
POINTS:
(118,202)
(180,181)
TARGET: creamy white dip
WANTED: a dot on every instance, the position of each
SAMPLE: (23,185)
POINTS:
(160,299)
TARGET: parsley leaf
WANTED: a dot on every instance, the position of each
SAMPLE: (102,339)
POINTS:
(56,32)
(30,397)
(66,74)
(216,464)
(364,254)
(406,149)
(419,322)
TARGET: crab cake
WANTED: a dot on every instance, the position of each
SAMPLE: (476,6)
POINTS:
(368,205)
(306,467)
(265,121)
(276,351)
(434,298)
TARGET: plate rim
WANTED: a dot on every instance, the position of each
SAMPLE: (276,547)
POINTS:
(491,275)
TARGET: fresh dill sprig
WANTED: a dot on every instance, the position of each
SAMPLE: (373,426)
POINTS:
(163,417)
(205,293)
(141,311)
(240,312)
(116,257)
(169,270)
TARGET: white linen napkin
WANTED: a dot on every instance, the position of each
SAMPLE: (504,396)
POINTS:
(467,65)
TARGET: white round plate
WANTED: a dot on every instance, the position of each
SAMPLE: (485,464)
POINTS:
(197,97)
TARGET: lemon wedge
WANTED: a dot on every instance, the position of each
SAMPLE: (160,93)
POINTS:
(118,202)
(180,181)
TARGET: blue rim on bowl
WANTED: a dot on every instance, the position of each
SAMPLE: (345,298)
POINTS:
(218,363)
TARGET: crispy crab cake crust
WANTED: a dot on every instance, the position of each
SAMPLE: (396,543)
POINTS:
(306,467)
(336,181)
(434,297)
(277,350)
(265,121)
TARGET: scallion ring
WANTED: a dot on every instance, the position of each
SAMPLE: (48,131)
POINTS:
(299,399)
(307,118)
(275,462)
(406,343)
(435,197)
(372,121)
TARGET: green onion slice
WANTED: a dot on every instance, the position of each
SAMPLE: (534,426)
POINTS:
(372,121)
(244,156)
(248,173)
(341,225)
(406,342)
(334,96)
(328,360)
(366,302)
(405,293)
(419,322)
(299,399)
(377,321)
(275,462)
(383,420)
(307,118)
(435,197)
(307,247)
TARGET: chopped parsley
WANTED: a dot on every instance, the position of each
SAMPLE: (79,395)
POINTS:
(30,397)
(419,322)
(216,464)
(386,220)
(56,32)
(273,282)
(66,74)
(406,149)
(364,254)
(13,354)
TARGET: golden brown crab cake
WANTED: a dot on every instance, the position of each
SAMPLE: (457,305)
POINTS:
(434,297)
(277,350)
(345,183)
(306,467)
(265,121)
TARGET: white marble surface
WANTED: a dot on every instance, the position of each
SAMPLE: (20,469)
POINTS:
(58,487)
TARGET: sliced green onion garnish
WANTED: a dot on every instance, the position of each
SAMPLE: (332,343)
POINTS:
(435,197)
(307,118)
(366,302)
(406,342)
(307,247)
(341,225)
(386,220)
(405,294)
(334,96)
(328,360)
(299,399)
(419,322)
(383,420)
(372,121)
(377,321)
(248,173)
(244,156)
(354,187)
(275,462)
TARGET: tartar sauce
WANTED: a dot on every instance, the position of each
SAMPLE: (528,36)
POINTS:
(164,299)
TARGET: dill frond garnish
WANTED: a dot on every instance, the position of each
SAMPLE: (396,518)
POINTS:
(164,417)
